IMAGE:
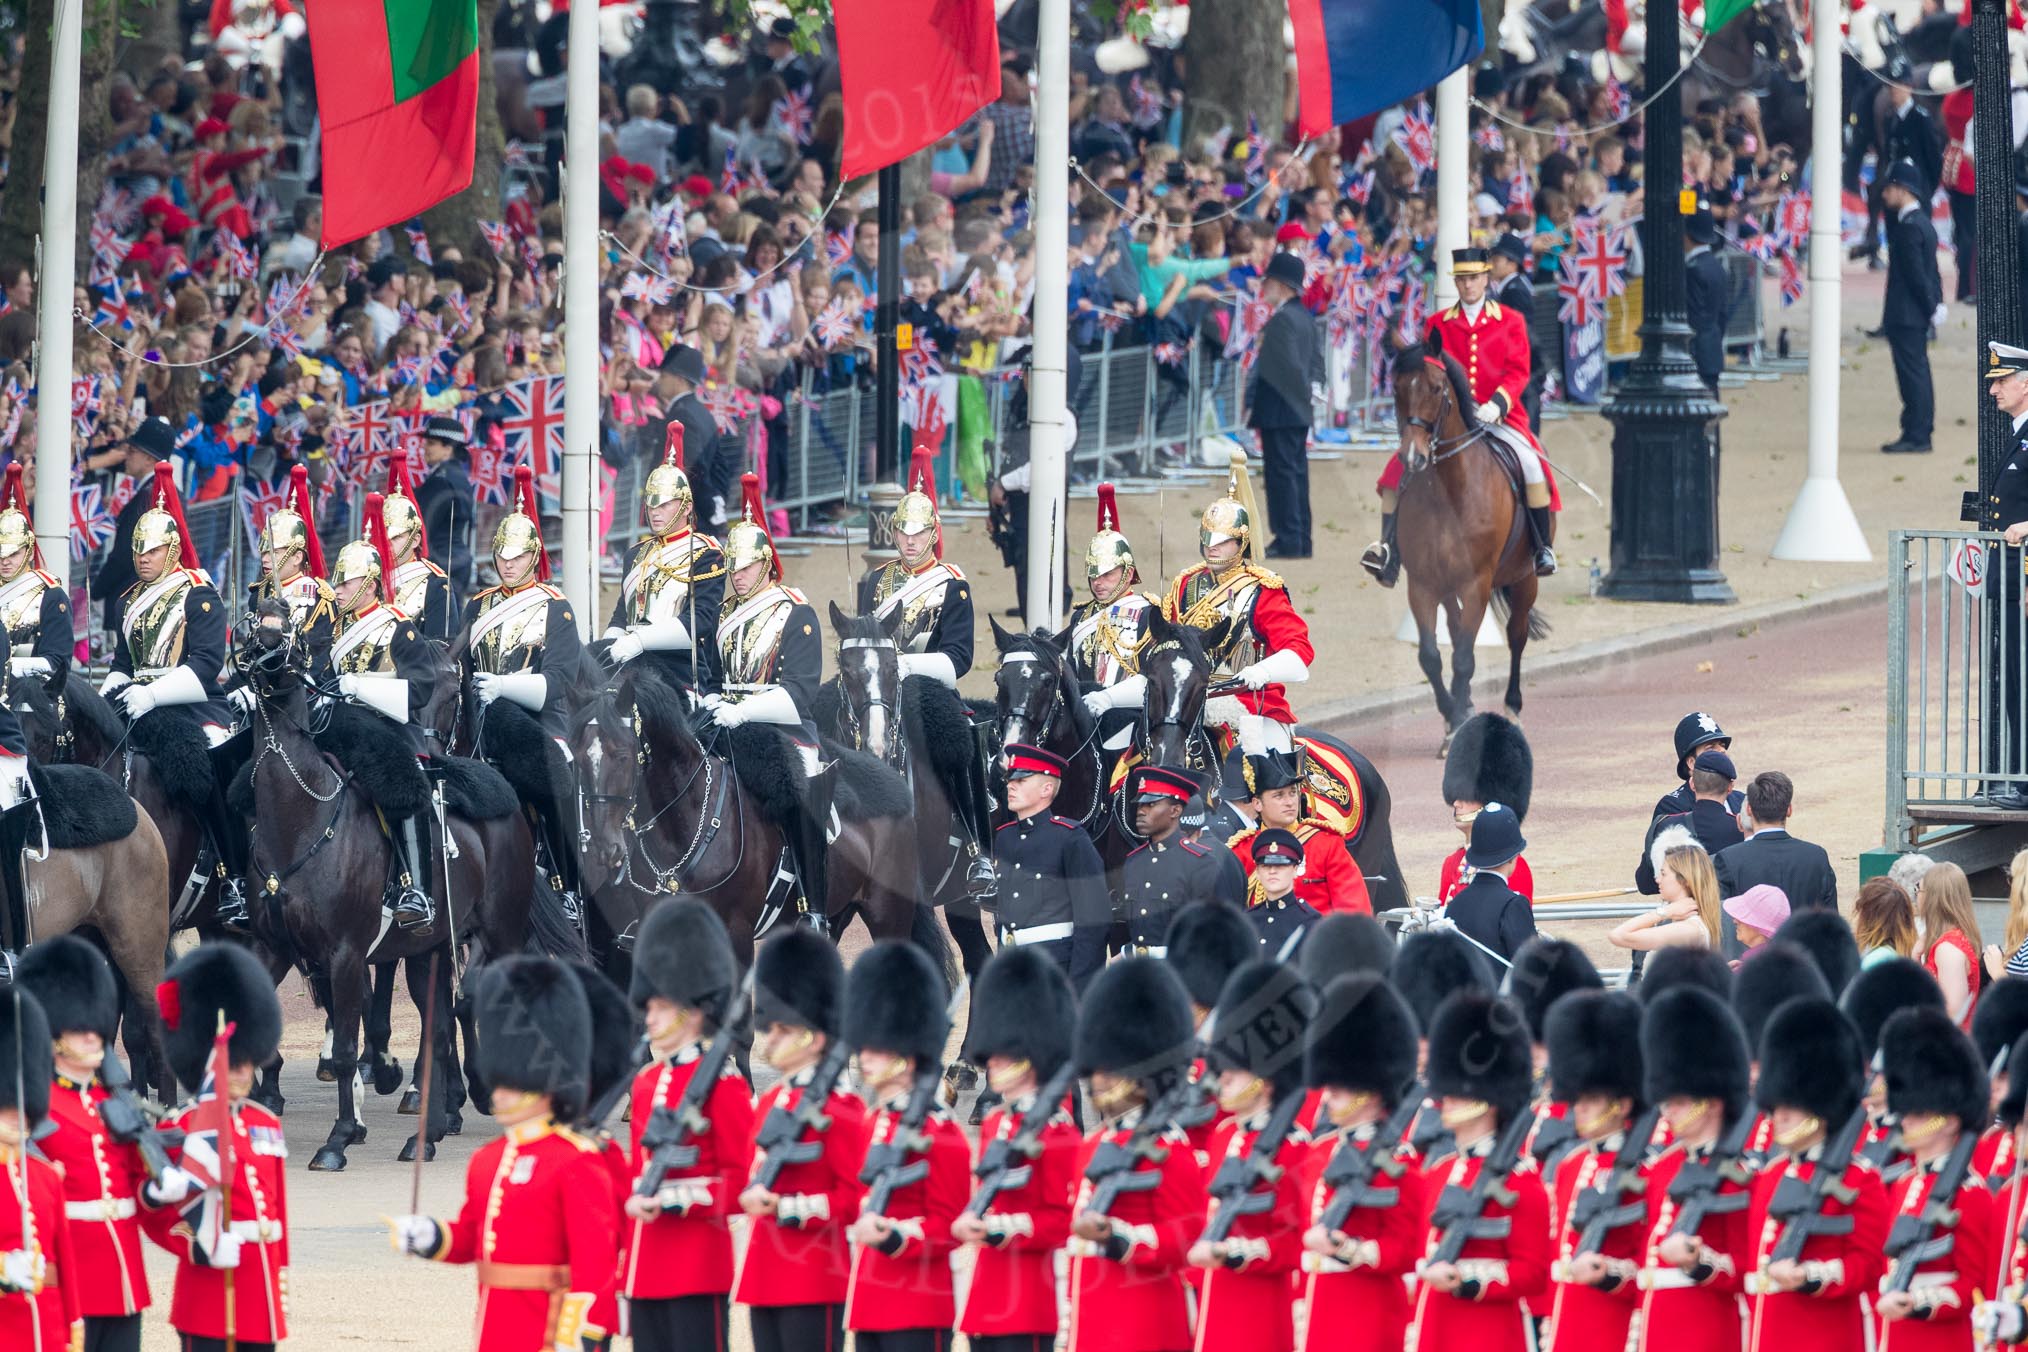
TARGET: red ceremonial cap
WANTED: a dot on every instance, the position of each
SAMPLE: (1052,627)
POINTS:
(1024,760)
(1156,783)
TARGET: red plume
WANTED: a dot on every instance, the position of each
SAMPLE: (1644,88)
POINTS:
(169,1003)
(376,535)
(11,495)
(303,505)
(400,481)
(756,511)
(1108,508)
(524,503)
(672,449)
(922,475)
(167,499)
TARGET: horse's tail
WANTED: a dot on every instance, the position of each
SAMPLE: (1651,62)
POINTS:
(550,931)
(1503,606)
(928,934)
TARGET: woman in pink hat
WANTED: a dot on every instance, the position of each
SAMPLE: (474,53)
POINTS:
(1756,914)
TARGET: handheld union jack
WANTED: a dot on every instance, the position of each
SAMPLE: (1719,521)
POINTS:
(733,180)
(1578,304)
(418,242)
(1146,103)
(729,404)
(257,502)
(238,259)
(1417,137)
(922,373)
(85,405)
(1792,278)
(1488,137)
(113,306)
(652,289)
(533,426)
(497,238)
(793,112)
(91,525)
(1256,151)
(1601,260)
(837,248)
(1619,103)
(835,325)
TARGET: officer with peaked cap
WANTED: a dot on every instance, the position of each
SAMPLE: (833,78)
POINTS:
(1998,1021)
(1489,762)
(40,1278)
(1279,916)
(1361,1055)
(1488,910)
(1052,882)
(2006,376)
(1169,872)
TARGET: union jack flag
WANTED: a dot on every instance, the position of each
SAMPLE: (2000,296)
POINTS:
(208,1143)
(124,487)
(91,525)
(793,112)
(1578,304)
(1256,150)
(1792,279)
(118,208)
(418,242)
(733,180)
(835,325)
(460,308)
(515,156)
(1417,136)
(1619,103)
(85,404)
(1172,354)
(238,259)
(1249,316)
(497,237)
(534,425)
(1145,102)
(1792,218)
(407,370)
(1111,320)
(730,405)
(113,307)
(1520,191)
(1601,259)
(652,289)
(837,248)
(364,438)
(258,500)
(1488,137)
(284,297)
(491,471)
(1358,186)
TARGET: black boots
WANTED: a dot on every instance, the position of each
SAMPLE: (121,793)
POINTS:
(1382,558)
(413,908)
(1539,528)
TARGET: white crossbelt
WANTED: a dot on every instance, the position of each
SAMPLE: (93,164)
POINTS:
(1035,934)
(1153,950)
(258,1232)
(104,1209)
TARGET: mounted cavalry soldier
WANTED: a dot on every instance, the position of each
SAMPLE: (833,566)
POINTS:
(521,646)
(1262,631)
(170,656)
(292,572)
(1108,632)
(670,597)
(418,588)
(37,615)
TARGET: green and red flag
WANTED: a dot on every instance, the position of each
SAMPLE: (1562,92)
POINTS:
(398,94)
(1718,13)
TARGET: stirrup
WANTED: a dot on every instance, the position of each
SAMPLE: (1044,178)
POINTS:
(414,910)
(981,879)
(1381,560)
(232,910)
(1545,562)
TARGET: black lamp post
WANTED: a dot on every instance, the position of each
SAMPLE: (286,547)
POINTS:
(1665,448)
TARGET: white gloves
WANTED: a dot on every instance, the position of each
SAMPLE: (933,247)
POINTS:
(414,1234)
(626,646)
(936,665)
(385,695)
(169,1190)
(348,685)
(1279,668)
(1998,1321)
(241,697)
(526,688)
(1126,693)
(178,685)
(136,702)
(28,666)
(727,715)
(1096,702)
(1489,412)
(114,682)
(1938,315)
(21,1270)
(224,1251)
(766,704)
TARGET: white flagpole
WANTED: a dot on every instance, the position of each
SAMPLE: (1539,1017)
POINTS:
(53,289)
(1047,414)
(580,577)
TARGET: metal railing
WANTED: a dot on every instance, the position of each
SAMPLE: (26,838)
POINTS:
(1426,913)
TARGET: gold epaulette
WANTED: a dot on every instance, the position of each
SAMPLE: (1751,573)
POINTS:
(590,1145)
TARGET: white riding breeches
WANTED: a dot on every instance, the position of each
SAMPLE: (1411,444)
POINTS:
(1531,462)
(1258,735)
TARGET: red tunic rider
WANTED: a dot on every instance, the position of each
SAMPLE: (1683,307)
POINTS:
(1329,880)
(1490,343)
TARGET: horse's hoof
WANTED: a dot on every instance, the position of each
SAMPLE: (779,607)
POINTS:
(273,1102)
(329,1160)
(407,1155)
(386,1077)
(327,1071)
(411,1103)
(454,1123)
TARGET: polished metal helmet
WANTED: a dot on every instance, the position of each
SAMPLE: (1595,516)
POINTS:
(155,528)
(666,483)
(917,510)
(1108,548)
(358,559)
(283,530)
(17,532)
(517,534)
(1225,519)
(747,540)
(402,516)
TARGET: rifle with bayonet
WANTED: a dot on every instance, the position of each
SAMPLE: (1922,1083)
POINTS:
(672,1133)
(1460,1211)
(1009,1162)
(1351,1171)
(1244,1184)
(1913,1240)
(1114,1168)
(888,1169)
(780,1139)
(126,1120)
(1621,1197)
(1696,1187)
(1799,1204)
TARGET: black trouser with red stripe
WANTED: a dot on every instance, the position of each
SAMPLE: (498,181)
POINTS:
(903,1340)
(798,1328)
(678,1324)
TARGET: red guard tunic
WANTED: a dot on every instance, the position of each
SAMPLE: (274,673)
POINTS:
(1689,1311)
(605,1311)
(1246,1309)
(1013,1288)
(911,1287)
(1136,1303)
(40,1322)
(1582,1316)
(1261,621)
(798,1256)
(101,1177)
(1507,1271)
(1829,1319)
(260,1208)
(1329,882)
(1993,1158)
(1362,1305)
(538,1220)
(688,1251)
(1944,1288)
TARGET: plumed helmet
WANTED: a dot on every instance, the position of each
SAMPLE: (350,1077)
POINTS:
(535,1031)
(1208,940)
(1490,762)
(27,1063)
(1998,1021)
(682,954)
(1932,1067)
(1811,1059)
(1344,942)
(402,516)
(1108,548)
(1023,1007)
(1362,1038)
(520,531)
(1692,1045)
(747,539)
(17,529)
(73,983)
(1431,966)
(162,524)
(895,1001)
(799,980)
(357,559)
(1544,971)
(1594,1040)
(1478,1049)
(917,510)
(667,482)
(283,531)
(1262,1016)
(615,1031)
(212,984)
(1826,937)
(288,527)
(1135,1022)
(1232,516)
(1884,990)
(1775,973)
(1668,968)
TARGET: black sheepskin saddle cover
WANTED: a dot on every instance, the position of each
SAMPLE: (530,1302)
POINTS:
(771,771)
(515,744)
(172,738)
(82,806)
(939,725)
(376,750)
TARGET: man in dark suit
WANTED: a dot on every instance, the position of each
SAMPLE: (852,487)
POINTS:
(683,374)
(1771,855)
(2006,377)
(1288,365)
(153,440)
(1911,135)
(444,498)
(1709,821)
(1509,258)
(1708,295)
(1486,910)
(1915,303)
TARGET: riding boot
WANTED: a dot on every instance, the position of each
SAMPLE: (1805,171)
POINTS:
(562,851)
(413,908)
(1538,529)
(17,827)
(982,880)
(226,843)
(808,843)
(1383,559)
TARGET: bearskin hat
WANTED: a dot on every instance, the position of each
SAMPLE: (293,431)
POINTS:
(1692,1044)
(1883,990)
(1135,1020)
(615,1031)
(1262,1015)
(1489,762)
(1431,966)
(1811,1058)
(1363,1037)
(74,985)
(1594,1040)
(1544,971)
(1932,1067)
(1023,1007)
(1676,966)
(535,1031)
(896,1001)
(1478,1049)
(682,954)
(1776,973)
(209,981)
(1207,941)
(27,1063)
(1344,942)
(1998,1021)
(1827,938)
(2014,1103)
(799,980)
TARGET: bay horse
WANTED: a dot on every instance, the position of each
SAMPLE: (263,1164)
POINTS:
(319,863)
(1464,538)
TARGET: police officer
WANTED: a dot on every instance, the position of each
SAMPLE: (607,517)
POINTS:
(1709,821)
(1706,295)
(1280,917)
(1052,881)
(683,373)
(1170,871)
(1915,303)
(445,499)
(1696,732)
(1278,403)
(2007,381)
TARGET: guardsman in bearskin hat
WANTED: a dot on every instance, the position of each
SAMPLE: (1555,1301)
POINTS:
(1544,971)
(1208,942)
(1430,967)
(102,1173)
(418,587)
(1594,1042)
(1480,1076)
(2004,1318)
(1265,644)
(1329,881)
(1489,762)
(795,1271)
(896,1022)
(1695,732)
(1170,870)
(1668,968)
(1052,881)
(1936,1090)
(676,579)
(1998,1021)
(1108,632)
(1135,1040)
(238,1252)
(1024,1019)
(538,1217)
(1811,1077)
(1827,937)
(40,1275)
(1257,1053)
(1694,1068)
(1361,1053)
(1880,992)
(292,572)
(615,1056)
(676,1261)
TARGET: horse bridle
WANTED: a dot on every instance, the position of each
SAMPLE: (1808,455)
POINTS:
(711,812)
(1058,704)
(850,715)
(1441,448)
